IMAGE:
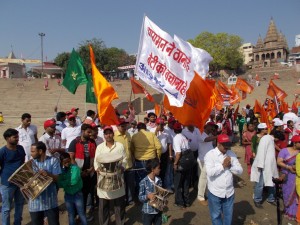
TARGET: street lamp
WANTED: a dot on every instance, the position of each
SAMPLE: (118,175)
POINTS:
(42,53)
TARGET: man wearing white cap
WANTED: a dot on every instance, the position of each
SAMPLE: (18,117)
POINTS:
(263,169)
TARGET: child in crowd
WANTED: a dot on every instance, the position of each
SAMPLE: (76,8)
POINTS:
(70,180)
(151,215)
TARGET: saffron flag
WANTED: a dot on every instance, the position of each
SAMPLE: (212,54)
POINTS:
(223,89)
(75,74)
(167,64)
(198,104)
(244,86)
(137,88)
(90,94)
(274,91)
(257,107)
(235,97)
(105,94)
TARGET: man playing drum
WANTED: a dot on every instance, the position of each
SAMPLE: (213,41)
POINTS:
(114,150)
(12,156)
(46,204)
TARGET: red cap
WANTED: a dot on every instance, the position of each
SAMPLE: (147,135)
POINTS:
(70,116)
(49,123)
(125,111)
(74,109)
(177,126)
(295,138)
(223,138)
(159,121)
(121,121)
(108,128)
(171,119)
(93,125)
(68,112)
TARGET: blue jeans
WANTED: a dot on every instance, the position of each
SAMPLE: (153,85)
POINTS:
(139,174)
(129,185)
(155,219)
(169,177)
(73,202)
(218,206)
(9,193)
(258,190)
(37,218)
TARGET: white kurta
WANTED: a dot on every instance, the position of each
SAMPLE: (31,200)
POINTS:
(265,159)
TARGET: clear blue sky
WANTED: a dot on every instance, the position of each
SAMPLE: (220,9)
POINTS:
(66,23)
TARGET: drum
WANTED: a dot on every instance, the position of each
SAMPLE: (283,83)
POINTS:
(160,201)
(110,177)
(30,180)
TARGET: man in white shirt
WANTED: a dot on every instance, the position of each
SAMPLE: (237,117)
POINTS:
(263,169)
(27,134)
(221,163)
(71,132)
(74,112)
(133,129)
(205,145)
(115,198)
(166,152)
(192,133)
(181,177)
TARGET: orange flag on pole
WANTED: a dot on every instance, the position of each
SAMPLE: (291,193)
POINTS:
(199,102)
(104,93)
(235,97)
(223,88)
(244,86)
(257,107)
(137,88)
(274,91)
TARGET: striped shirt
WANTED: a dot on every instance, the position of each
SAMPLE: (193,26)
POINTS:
(48,198)
(146,187)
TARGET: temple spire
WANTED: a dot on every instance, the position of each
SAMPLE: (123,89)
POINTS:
(272,34)
(259,43)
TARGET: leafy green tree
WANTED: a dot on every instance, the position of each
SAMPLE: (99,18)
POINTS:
(62,59)
(223,47)
(98,48)
(107,59)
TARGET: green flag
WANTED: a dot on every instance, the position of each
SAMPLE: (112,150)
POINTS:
(75,74)
(90,94)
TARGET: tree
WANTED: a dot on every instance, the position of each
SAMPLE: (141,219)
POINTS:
(107,59)
(98,47)
(223,47)
(62,59)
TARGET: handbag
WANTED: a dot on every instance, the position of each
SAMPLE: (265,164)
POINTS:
(187,160)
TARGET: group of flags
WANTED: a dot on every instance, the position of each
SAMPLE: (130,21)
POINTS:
(98,89)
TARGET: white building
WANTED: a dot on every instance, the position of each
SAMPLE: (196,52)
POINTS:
(297,40)
(247,51)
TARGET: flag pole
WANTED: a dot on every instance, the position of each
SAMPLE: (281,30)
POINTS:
(61,87)
(276,102)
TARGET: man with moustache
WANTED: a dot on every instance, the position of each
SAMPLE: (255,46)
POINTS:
(27,134)
(221,163)
(51,139)
(82,151)
(108,199)
(12,156)
(46,204)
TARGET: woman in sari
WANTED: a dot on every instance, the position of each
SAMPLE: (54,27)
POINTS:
(286,160)
(246,141)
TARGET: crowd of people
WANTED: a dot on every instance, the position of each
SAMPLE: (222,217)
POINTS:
(77,155)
